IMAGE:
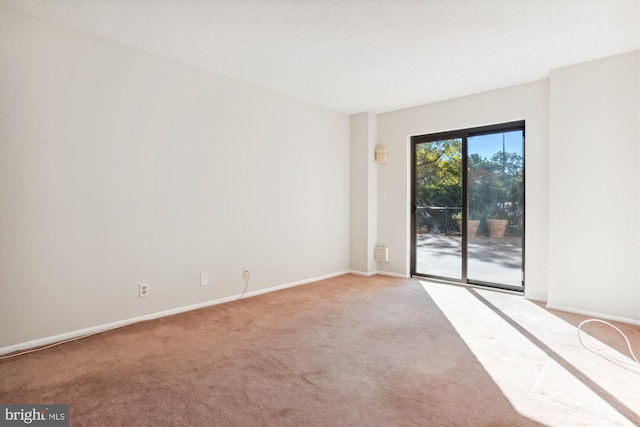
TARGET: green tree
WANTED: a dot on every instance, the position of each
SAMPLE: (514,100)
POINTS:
(495,185)
(439,173)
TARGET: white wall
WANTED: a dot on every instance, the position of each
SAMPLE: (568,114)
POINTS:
(120,167)
(529,102)
(363,193)
(594,198)
(582,181)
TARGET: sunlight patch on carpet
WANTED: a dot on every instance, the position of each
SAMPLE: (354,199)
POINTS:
(510,336)
(560,387)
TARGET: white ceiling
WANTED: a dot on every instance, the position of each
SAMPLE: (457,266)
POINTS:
(362,55)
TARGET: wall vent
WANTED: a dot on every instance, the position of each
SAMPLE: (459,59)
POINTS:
(381,253)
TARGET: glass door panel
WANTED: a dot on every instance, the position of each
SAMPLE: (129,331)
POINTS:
(495,197)
(468,205)
(438,208)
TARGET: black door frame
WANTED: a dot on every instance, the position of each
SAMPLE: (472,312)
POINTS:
(464,134)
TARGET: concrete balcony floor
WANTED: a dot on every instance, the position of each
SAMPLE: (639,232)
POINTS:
(496,260)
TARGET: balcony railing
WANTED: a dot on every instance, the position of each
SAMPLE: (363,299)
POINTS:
(437,219)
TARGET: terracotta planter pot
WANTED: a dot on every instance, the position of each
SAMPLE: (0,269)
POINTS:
(472,227)
(497,227)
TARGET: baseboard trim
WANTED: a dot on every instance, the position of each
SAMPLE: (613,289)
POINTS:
(594,314)
(536,298)
(388,273)
(363,273)
(40,342)
(382,273)
(292,284)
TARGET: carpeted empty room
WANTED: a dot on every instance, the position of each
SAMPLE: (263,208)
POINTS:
(319,213)
(346,351)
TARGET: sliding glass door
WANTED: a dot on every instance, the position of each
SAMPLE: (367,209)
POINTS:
(438,202)
(468,206)
(496,198)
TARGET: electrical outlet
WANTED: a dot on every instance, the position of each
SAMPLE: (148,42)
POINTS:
(245,273)
(144,289)
(204,279)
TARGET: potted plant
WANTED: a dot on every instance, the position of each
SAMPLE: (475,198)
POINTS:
(472,225)
(497,223)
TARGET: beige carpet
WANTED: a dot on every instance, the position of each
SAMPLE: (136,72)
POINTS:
(347,351)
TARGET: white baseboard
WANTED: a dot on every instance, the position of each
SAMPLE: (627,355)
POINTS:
(536,298)
(382,273)
(388,273)
(292,284)
(594,314)
(120,323)
(363,273)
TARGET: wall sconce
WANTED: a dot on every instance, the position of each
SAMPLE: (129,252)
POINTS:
(381,155)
